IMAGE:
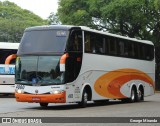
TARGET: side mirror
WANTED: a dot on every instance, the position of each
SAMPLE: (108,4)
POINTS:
(63,62)
(62,68)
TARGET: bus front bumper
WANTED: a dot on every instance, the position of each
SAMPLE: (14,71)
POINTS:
(41,98)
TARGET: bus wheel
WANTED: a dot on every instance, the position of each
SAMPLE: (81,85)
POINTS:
(140,94)
(43,104)
(83,103)
(133,96)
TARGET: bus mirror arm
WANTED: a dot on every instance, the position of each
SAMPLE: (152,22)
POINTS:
(63,62)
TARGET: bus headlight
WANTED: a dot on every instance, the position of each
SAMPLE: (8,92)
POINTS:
(20,91)
(57,92)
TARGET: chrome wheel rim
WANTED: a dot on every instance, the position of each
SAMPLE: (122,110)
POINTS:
(85,97)
(139,94)
(132,95)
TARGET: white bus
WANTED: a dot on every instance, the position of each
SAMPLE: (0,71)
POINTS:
(7,67)
(63,64)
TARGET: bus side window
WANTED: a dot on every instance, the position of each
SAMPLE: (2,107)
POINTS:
(136,51)
(75,43)
(142,51)
(94,43)
(107,45)
(121,50)
(112,46)
(78,42)
(104,45)
(149,52)
(87,42)
(131,49)
(99,44)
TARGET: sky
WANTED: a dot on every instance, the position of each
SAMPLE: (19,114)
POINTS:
(42,8)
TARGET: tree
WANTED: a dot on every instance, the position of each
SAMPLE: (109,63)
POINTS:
(13,21)
(53,19)
(140,21)
(73,12)
(81,12)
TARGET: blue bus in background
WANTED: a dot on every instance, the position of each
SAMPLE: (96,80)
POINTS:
(7,67)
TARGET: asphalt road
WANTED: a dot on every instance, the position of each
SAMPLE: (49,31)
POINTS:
(150,107)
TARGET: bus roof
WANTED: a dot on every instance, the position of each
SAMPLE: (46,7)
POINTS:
(8,45)
(67,27)
(115,35)
(50,27)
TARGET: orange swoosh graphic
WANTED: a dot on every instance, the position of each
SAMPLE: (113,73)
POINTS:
(109,84)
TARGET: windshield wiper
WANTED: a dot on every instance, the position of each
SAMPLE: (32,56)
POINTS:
(24,81)
(44,83)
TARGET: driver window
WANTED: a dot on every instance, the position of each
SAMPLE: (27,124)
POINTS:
(75,43)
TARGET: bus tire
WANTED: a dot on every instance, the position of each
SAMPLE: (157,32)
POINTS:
(43,104)
(140,94)
(83,103)
(133,96)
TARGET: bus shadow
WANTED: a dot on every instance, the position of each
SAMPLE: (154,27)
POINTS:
(76,106)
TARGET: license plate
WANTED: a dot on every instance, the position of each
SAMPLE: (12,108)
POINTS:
(36,99)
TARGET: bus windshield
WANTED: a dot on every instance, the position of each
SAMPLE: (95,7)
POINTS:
(39,70)
(43,42)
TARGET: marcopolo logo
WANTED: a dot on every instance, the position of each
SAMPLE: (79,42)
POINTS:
(36,91)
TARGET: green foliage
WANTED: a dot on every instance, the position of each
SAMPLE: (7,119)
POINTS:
(13,21)
(133,18)
(81,12)
(73,12)
(53,19)
(124,17)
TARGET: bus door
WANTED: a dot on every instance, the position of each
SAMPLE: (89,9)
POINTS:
(74,61)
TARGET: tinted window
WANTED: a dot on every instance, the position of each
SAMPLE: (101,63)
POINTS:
(112,43)
(31,70)
(46,41)
(108,45)
(75,41)
(95,43)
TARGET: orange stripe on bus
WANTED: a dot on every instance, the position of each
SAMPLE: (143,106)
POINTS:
(9,58)
(63,58)
(108,85)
